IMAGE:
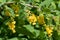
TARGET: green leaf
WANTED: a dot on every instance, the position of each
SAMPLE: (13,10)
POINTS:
(0,17)
(42,34)
(2,1)
(24,31)
(37,33)
(46,2)
(29,28)
(59,37)
(9,0)
(59,4)
(13,38)
(36,0)
(10,10)
(17,0)
(53,6)
(22,38)
(0,38)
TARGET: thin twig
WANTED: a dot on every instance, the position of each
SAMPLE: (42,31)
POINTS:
(6,3)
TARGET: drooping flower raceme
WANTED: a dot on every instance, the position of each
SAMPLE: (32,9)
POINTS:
(12,26)
(32,19)
(49,30)
(40,19)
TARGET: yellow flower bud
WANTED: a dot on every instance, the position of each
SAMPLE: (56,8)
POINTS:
(13,30)
(32,19)
(49,31)
(16,8)
(34,23)
(41,20)
(12,26)
(7,13)
(14,22)
(16,15)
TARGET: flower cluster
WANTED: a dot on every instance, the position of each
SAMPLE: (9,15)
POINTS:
(49,30)
(16,9)
(12,26)
(7,13)
(32,19)
(41,19)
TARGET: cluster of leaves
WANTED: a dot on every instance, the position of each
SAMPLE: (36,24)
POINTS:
(31,17)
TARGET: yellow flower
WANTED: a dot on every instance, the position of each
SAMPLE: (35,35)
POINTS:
(28,12)
(41,20)
(16,14)
(33,23)
(16,8)
(12,26)
(13,30)
(14,22)
(7,13)
(32,19)
(49,31)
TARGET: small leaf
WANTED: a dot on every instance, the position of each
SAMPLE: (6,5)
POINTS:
(13,39)
(0,38)
(29,27)
(37,33)
(2,1)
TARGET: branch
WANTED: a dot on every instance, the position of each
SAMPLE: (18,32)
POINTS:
(28,5)
(6,3)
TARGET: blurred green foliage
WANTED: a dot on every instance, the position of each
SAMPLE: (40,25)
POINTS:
(29,19)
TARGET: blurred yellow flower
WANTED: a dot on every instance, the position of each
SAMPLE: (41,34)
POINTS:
(28,12)
(12,26)
(32,19)
(7,13)
(40,20)
(13,30)
(49,30)
(15,8)
(16,14)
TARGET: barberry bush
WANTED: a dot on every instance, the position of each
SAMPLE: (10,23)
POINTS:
(29,19)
